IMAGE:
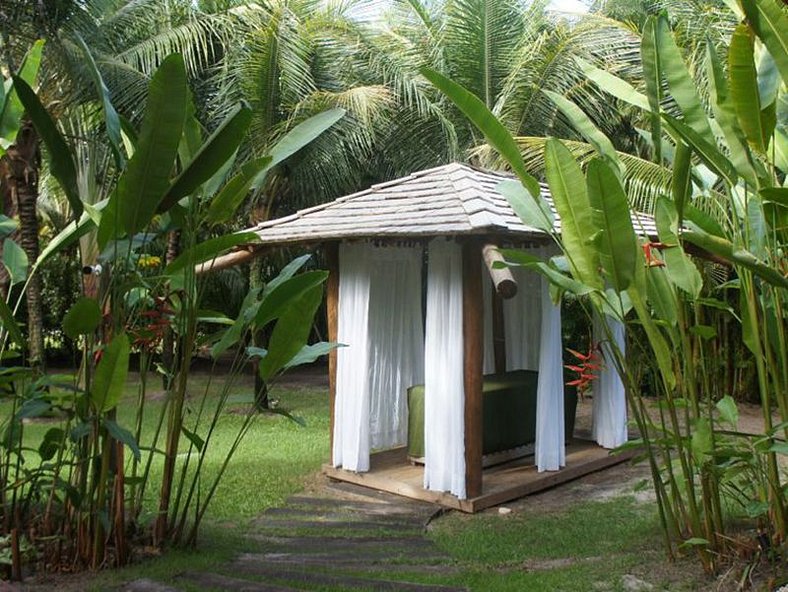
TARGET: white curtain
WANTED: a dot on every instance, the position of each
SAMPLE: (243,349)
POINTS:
(444,389)
(549,447)
(523,319)
(396,341)
(380,322)
(609,413)
(351,406)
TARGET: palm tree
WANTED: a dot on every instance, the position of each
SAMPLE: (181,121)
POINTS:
(127,38)
(504,51)
(294,59)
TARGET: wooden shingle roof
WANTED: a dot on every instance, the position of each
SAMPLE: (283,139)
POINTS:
(454,199)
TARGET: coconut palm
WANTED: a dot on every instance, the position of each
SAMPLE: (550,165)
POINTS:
(504,51)
(127,39)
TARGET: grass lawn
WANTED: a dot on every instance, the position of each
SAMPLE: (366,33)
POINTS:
(586,544)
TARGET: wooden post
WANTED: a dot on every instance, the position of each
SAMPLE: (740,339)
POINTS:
(332,314)
(473,340)
(502,277)
(498,333)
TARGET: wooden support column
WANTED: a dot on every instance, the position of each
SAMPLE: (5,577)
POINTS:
(332,314)
(498,333)
(473,340)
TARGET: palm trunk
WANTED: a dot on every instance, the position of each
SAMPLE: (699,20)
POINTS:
(22,181)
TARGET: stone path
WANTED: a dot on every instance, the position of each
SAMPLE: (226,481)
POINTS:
(344,538)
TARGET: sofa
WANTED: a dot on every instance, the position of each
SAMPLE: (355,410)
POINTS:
(508,409)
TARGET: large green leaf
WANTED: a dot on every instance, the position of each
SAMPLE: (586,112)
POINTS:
(310,353)
(68,236)
(553,275)
(7,225)
(725,114)
(124,436)
(661,295)
(680,269)
(662,352)
(147,177)
(775,207)
(298,137)
(702,440)
(681,181)
(583,124)
(567,187)
(614,85)
(494,132)
(10,325)
(722,247)
(111,372)
(615,235)
(111,118)
(12,108)
(291,332)
(213,154)
(709,153)
(208,250)
(61,162)
(82,318)
(287,272)
(232,334)
(533,212)
(652,75)
(682,86)
(744,87)
(227,201)
(770,21)
(275,303)
(15,261)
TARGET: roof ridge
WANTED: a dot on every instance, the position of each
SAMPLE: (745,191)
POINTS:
(467,187)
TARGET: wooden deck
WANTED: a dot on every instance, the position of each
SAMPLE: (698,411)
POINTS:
(390,471)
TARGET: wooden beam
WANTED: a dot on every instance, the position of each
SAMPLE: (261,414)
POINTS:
(242,255)
(332,314)
(502,278)
(498,333)
(473,343)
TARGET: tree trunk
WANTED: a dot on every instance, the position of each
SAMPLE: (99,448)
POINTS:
(23,164)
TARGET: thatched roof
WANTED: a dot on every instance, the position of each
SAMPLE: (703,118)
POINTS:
(454,199)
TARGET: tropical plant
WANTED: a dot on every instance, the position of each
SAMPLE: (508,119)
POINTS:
(77,503)
(698,457)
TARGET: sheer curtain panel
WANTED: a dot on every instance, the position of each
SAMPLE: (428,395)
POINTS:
(523,319)
(444,389)
(351,407)
(549,447)
(609,412)
(396,341)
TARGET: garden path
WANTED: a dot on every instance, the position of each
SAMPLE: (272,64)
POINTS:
(343,537)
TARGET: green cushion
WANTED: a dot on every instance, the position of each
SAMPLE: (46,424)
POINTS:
(509,412)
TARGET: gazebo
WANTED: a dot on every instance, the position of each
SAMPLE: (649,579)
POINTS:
(434,336)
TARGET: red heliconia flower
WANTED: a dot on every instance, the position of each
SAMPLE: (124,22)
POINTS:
(152,325)
(651,260)
(588,364)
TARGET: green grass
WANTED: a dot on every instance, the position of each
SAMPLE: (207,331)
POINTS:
(588,545)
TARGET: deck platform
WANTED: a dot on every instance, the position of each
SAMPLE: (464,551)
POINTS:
(390,471)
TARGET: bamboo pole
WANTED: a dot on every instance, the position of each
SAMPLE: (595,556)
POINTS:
(502,277)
